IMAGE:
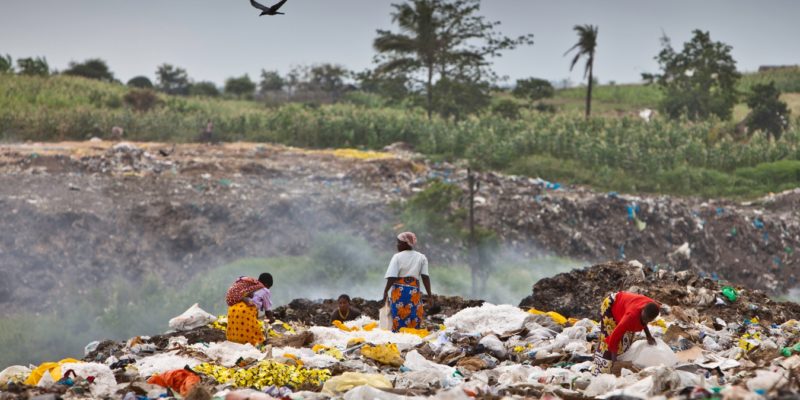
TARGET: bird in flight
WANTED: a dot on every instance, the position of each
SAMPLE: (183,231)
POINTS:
(268,10)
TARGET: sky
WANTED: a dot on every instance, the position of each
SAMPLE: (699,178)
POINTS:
(217,39)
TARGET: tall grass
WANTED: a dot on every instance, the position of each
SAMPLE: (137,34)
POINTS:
(655,154)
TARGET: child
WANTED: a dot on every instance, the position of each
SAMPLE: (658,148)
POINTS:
(345,312)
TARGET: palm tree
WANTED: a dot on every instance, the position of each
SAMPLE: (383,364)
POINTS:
(416,46)
(587,42)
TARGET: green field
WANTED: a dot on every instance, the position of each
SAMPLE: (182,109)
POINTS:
(607,152)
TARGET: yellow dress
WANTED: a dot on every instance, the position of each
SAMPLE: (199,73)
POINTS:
(243,325)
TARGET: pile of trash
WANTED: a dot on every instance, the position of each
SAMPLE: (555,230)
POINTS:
(310,312)
(692,297)
(200,206)
(485,351)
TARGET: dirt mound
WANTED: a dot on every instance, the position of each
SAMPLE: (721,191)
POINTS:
(579,293)
(319,312)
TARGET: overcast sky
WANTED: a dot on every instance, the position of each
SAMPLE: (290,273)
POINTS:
(215,39)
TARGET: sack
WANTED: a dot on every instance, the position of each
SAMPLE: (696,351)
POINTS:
(385,318)
(194,317)
(643,355)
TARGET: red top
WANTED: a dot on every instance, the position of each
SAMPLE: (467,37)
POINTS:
(627,311)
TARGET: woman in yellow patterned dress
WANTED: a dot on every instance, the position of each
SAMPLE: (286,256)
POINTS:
(243,326)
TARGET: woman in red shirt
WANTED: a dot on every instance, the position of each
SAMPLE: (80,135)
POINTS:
(622,314)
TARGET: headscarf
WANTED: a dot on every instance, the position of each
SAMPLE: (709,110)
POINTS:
(408,237)
(241,288)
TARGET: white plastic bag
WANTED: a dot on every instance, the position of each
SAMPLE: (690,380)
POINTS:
(600,384)
(385,318)
(494,345)
(194,317)
(643,355)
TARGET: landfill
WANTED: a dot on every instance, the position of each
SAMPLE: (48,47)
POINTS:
(193,207)
(715,340)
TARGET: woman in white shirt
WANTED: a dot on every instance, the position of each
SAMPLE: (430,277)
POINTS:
(406,269)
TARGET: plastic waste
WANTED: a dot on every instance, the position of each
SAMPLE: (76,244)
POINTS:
(349,380)
(387,354)
(494,345)
(765,380)
(180,380)
(91,347)
(15,374)
(192,318)
(52,369)
(385,318)
(730,293)
(600,384)
(643,355)
(371,393)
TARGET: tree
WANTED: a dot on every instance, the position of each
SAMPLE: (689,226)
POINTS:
(173,80)
(441,38)
(457,98)
(141,82)
(6,65)
(94,68)
(768,113)
(533,89)
(203,88)
(328,78)
(394,87)
(33,66)
(587,43)
(271,81)
(242,86)
(698,82)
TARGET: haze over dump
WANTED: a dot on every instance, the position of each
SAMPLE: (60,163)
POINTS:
(198,35)
(126,238)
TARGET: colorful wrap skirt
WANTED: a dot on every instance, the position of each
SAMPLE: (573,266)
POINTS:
(243,326)
(602,357)
(405,303)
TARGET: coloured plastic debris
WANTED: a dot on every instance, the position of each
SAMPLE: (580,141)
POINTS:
(730,293)
(264,374)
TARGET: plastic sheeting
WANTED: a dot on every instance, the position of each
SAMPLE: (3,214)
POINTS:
(194,317)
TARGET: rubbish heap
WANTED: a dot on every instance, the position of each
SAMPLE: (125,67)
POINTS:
(716,341)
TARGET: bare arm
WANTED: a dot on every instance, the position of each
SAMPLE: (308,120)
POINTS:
(386,289)
(650,339)
(426,280)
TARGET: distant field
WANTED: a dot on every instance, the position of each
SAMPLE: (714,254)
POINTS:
(616,150)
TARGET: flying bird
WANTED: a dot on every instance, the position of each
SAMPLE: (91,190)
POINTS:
(268,10)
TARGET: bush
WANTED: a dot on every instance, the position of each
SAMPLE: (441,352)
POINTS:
(533,89)
(506,108)
(141,100)
(140,82)
(779,174)
(768,113)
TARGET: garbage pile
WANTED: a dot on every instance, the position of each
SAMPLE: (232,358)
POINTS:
(692,297)
(195,207)
(486,351)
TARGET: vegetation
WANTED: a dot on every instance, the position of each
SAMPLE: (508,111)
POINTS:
(444,39)
(33,66)
(6,64)
(587,43)
(173,80)
(94,68)
(624,154)
(698,82)
(769,114)
(141,82)
(241,87)
(533,89)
